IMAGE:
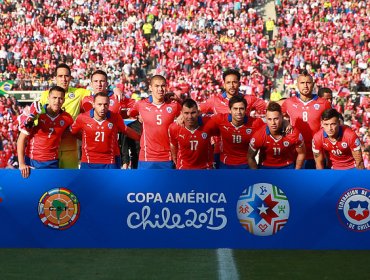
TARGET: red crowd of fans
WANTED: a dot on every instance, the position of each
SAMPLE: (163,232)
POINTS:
(190,42)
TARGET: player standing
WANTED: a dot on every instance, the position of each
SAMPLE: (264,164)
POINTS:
(157,115)
(44,138)
(190,145)
(277,148)
(304,111)
(236,130)
(340,142)
(99,129)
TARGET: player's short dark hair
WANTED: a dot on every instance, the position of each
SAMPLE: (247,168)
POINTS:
(62,65)
(274,107)
(237,99)
(100,93)
(57,88)
(330,113)
(100,72)
(231,72)
(324,90)
(189,103)
(157,77)
(305,73)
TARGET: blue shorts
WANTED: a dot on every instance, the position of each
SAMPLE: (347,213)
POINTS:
(229,166)
(85,165)
(309,164)
(118,161)
(290,166)
(49,164)
(155,165)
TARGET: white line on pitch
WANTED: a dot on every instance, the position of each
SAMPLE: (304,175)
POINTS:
(226,265)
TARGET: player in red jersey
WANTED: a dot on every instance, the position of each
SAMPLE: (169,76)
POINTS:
(340,142)
(236,130)
(99,83)
(277,148)
(43,140)
(219,103)
(157,115)
(304,111)
(190,145)
(99,129)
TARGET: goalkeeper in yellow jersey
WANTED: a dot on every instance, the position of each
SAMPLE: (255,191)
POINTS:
(68,150)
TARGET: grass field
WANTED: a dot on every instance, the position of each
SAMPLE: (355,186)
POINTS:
(181,264)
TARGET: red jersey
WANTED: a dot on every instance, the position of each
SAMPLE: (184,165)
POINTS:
(276,152)
(3,159)
(99,138)
(219,104)
(306,117)
(154,142)
(194,150)
(340,151)
(234,140)
(44,138)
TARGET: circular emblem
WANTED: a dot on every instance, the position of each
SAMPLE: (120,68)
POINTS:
(110,125)
(248,131)
(263,209)
(169,110)
(59,208)
(61,123)
(353,209)
(286,144)
(316,106)
(204,135)
(111,102)
(71,95)
(344,145)
(357,142)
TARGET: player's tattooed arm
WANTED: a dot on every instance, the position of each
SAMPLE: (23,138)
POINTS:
(319,160)
(357,155)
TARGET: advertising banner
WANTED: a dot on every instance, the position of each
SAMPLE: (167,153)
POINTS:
(246,209)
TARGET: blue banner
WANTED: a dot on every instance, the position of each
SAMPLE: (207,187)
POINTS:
(250,209)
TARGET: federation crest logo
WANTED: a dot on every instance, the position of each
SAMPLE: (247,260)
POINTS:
(344,145)
(353,209)
(111,102)
(59,208)
(71,95)
(263,209)
(286,143)
(248,131)
(110,125)
(316,106)
(61,123)
(357,142)
(169,110)
(204,135)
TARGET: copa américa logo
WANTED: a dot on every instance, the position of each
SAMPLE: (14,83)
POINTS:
(353,209)
(59,208)
(263,209)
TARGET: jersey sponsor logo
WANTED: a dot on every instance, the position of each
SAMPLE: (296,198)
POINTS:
(71,95)
(263,209)
(204,135)
(344,145)
(59,209)
(353,209)
(169,110)
(286,143)
(148,108)
(316,106)
(110,125)
(248,131)
(111,102)
(226,128)
(182,136)
(62,123)
(89,125)
(295,105)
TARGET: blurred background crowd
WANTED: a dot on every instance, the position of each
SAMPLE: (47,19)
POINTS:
(190,42)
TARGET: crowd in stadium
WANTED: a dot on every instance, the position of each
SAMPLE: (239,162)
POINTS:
(191,43)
